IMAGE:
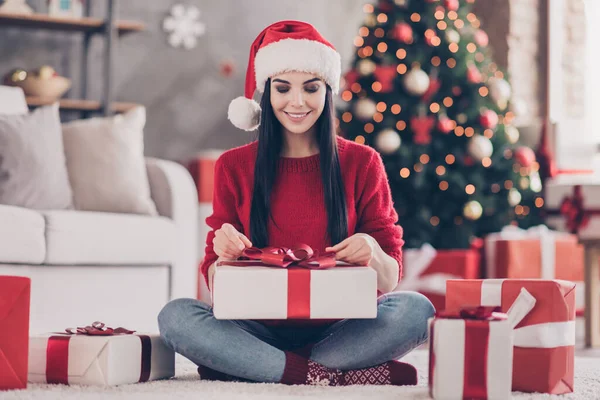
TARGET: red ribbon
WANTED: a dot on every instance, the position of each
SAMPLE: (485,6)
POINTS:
(572,208)
(57,351)
(476,347)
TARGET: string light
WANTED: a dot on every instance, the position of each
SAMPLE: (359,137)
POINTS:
(382,18)
(439,14)
(469,132)
(368,8)
(401,125)
(452,15)
(424,158)
(405,172)
(453,47)
(429,33)
(450,159)
(415,17)
(401,68)
(360,139)
(459,23)
(436,61)
(434,107)
(361,53)
(470,189)
(376,86)
(381,106)
(471,48)
(499,74)
(442,25)
(396,109)
(508,184)
(459,131)
(347,117)
(508,117)
(436,41)
(379,32)
(539,202)
(382,47)
(418,167)
(451,62)
(486,162)
(479,57)
(443,186)
(488,133)
(440,170)
(359,41)
(368,51)
(369,128)
(434,221)
(448,101)
(483,91)
(401,54)
(363,31)
(471,17)
(519,209)
(476,24)
(378,117)
(495,188)
(347,95)
(525,210)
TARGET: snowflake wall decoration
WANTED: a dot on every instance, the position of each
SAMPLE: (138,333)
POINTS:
(183,26)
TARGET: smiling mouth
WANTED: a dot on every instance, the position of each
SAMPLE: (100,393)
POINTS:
(297,116)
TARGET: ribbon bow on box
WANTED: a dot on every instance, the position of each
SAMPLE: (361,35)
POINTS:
(481,313)
(301,255)
(98,329)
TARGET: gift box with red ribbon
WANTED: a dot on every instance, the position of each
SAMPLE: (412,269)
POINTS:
(470,354)
(284,283)
(99,356)
(544,340)
(426,270)
(14,333)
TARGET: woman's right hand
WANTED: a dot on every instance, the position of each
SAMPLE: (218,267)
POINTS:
(228,243)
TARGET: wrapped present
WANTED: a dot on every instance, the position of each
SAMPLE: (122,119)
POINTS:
(544,341)
(283,283)
(426,270)
(14,335)
(537,252)
(100,356)
(471,352)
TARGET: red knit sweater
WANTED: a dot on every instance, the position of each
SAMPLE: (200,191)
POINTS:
(297,199)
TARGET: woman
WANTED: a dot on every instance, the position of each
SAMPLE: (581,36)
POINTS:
(300,183)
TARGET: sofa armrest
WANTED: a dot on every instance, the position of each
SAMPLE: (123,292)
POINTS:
(174,193)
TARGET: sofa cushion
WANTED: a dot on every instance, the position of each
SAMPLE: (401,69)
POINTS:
(21,235)
(85,237)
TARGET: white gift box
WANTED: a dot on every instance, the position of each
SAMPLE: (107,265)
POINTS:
(99,360)
(253,292)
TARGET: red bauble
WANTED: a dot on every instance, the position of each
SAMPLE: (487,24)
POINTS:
(421,127)
(468,161)
(525,156)
(434,86)
(445,124)
(351,77)
(227,68)
(385,75)
(473,74)
(451,5)
(488,119)
(403,32)
(481,38)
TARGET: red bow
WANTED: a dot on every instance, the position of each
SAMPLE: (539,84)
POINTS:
(481,313)
(98,329)
(573,210)
(300,256)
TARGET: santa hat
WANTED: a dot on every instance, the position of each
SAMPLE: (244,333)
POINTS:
(280,47)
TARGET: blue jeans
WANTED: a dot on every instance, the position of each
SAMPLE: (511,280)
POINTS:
(253,351)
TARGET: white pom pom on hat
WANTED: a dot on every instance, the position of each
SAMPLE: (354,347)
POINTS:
(280,47)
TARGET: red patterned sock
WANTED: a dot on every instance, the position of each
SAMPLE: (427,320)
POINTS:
(301,371)
(389,373)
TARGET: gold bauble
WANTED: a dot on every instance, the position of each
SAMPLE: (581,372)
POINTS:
(512,134)
(472,210)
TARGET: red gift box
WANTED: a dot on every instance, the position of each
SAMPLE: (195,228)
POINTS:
(426,271)
(14,331)
(544,340)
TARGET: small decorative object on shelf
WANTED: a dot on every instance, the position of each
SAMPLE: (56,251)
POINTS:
(44,82)
(66,8)
(15,7)
(183,26)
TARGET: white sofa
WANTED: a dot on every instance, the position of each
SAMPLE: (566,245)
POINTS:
(116,268)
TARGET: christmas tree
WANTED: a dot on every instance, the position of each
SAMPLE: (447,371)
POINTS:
(424,92)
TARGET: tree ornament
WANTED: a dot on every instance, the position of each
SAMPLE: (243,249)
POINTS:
(366,67)
(183,26)
(385,75)
(512,134)
(452,36)
(387,141)
(403,32)
(351,78)
(364,109)
(488,119)
(472,210)
(500,90)
(416,81)
(370,20)
(445,124)
(535,182)
(480,147)
(227,68)
(473,74)
(421,127)
(525,156)
(481,38)
(514,197)
(451,5)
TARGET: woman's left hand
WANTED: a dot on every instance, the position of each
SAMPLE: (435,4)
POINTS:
(358,249)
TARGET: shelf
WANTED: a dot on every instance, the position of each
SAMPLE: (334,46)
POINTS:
(79,105)
(42,21)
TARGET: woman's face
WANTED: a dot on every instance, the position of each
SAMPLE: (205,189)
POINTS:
(298,99)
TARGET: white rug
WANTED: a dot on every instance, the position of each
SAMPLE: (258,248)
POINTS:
(187,385)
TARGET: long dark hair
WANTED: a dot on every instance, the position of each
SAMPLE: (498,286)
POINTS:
(270,142)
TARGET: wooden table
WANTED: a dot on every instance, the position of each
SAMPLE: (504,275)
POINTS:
(592,292)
